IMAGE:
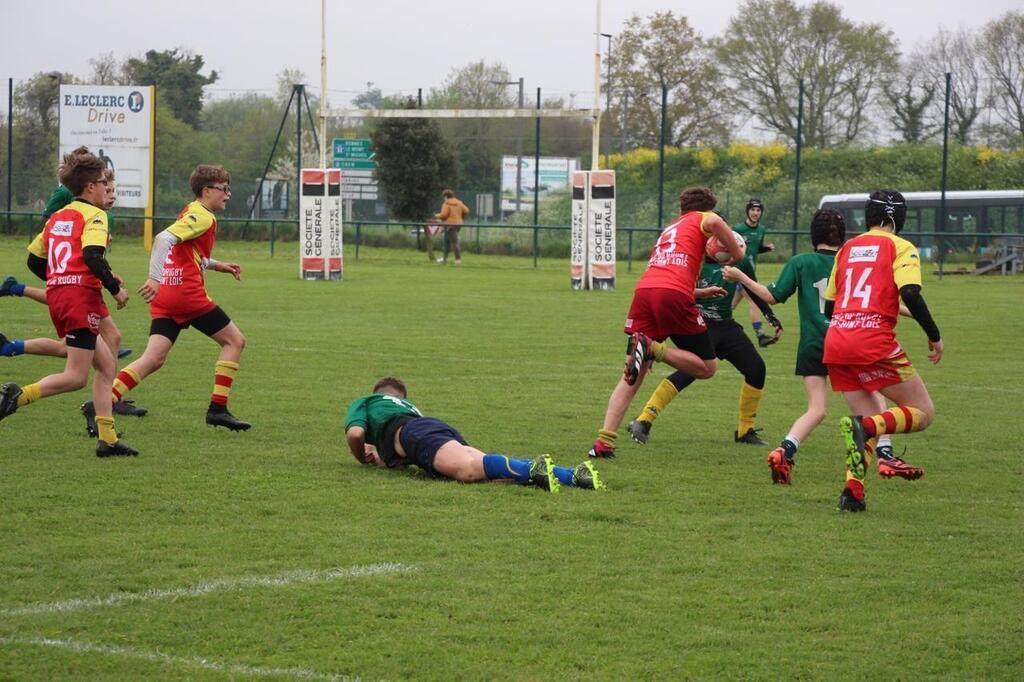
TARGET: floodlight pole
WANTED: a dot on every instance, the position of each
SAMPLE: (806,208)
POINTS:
(323,83)
(596,106)
(940,243)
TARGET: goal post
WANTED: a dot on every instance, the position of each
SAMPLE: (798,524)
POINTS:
(592,246)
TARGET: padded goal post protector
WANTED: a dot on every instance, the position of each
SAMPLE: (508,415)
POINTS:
(320,255)
(592,247)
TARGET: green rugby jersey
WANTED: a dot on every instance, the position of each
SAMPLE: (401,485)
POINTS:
(754,236)
(719,308)
(373,412)
(807,275)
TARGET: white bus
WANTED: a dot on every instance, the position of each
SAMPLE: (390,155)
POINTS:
(971,216)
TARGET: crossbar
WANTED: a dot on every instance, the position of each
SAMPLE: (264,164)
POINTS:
(464,113)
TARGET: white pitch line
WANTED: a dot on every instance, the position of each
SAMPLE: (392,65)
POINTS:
(223,585)
(167,659)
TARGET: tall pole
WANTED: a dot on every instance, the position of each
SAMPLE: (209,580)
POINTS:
(608,98)
(661,156)
(299,91)
(10,148)
(941,223)
(625,110)
(323,83)
(536,169)
(799,144)
(596,110)
(519,152)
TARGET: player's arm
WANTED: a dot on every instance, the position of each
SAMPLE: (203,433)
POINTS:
(360,449)
(914,301)
(233,269)
(750,284)
(162,245)
(715,225)
(94,253)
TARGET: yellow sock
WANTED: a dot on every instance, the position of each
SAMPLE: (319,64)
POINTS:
(750,400)
(658,350)
(29,394)
(658,401)
(105,425)
(607,437)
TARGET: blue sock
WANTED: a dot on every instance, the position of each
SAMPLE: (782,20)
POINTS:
(18,289)
(757,327)
(500,466)
(564,475)
(12,348)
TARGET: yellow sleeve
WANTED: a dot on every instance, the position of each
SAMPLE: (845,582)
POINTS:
(95,232)
(445,212)
(703,217)
(906,267)
(191,225)
(37,248)
(830,290)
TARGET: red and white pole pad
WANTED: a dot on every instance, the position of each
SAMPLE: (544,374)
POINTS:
(592,248)
(320,255)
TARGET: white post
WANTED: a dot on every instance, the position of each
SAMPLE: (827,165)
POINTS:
(323,83)
(594,145)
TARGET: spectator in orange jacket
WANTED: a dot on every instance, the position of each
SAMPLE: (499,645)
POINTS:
(452,213)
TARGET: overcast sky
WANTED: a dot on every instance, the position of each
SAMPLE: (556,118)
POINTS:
(398,46)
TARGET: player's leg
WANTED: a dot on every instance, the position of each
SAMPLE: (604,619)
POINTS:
(218,326)
(74,376)
(857,448)
(37,294)
(163,332)
(782,459)
(112,337)
(105,365)
(735,347)
(670,386)
(618,403)
(11,287)
(48,347)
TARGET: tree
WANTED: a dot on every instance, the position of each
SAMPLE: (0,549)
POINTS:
(1002,56)
(35,136)
(663,51)
(479,142)
(175,73)
(106,70)
(414,163)
(772,44)
(909,101)
(957,54)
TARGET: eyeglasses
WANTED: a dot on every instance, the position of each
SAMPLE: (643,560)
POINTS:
(226,188)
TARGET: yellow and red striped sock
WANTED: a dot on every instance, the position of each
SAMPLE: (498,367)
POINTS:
(224,376)
(126,380)
(899,419)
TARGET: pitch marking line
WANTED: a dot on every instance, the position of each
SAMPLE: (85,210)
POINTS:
(167,659)
(199,589)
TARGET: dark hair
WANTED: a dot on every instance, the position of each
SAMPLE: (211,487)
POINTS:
(754,202)
(885,206)
(696,199)
(79,169)
(448,194)
(390,382)
(828,227)
(204,174)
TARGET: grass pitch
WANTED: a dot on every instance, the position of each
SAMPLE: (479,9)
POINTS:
(273,554)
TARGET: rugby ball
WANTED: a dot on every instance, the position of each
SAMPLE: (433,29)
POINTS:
(717,251)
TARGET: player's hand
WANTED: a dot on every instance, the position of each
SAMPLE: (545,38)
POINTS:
(710,292)
(233,269)
(730,273)
(121,297)
(149,290)
(936,351)
(118,278)
(770,247)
